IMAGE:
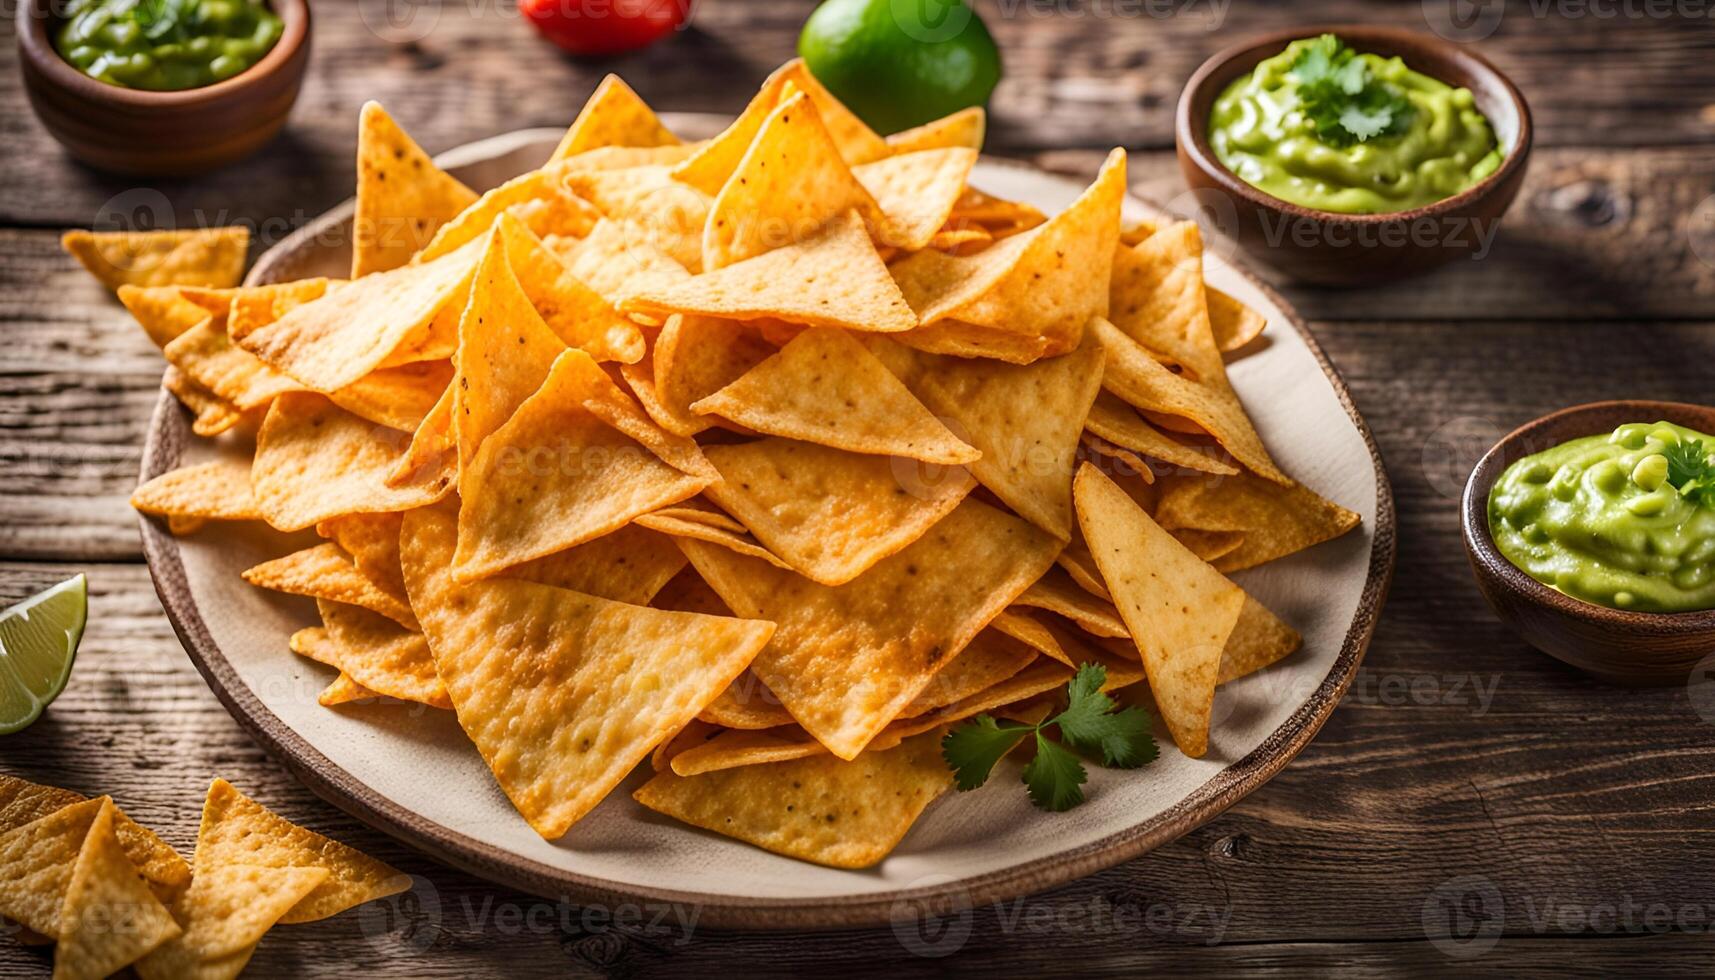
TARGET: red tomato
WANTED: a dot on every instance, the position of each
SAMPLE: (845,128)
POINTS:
(605,26)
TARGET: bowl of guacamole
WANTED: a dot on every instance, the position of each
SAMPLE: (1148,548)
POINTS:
(1348,155)
(162,87)
(1592,534)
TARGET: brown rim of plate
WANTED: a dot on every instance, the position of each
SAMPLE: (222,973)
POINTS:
(1474,519)
(169,431)
(1194,136)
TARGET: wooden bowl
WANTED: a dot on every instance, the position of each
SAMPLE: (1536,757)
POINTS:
(1632,648)
(161,134)
(1350,249)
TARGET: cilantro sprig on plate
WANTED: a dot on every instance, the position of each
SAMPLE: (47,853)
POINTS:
(1090,726)
(1339,96)
(1691,471)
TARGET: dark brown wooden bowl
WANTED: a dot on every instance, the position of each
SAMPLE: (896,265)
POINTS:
(161,134)
(1631,648)
(1353,249)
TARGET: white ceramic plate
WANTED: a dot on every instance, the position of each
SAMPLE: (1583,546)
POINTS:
(412,773)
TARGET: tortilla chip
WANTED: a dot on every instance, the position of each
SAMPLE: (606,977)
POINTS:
(630,565)
(212,413)
(218,491)
(226,912)
(962,128)
(844,814)
(832,278)
(315,462)
(675,523)
(432,453)
(190,257)
(1234,324)
(161,311)
(537,197)
(694,357)
(917,192)
(622,157)
(613,116)
(615,262)
(1209,545)
(237,831)
(563,693)
(830,514)
(746,702)
(844,662)
(110,918)
(577,314)
(991,658)
(824,387)
(1041,288)
(397,397)
(1179,611)
(208,356)
(252,307)
(556,476)
(1000,217)
(1057,593)
(1276,520)
(1145,383)
(402,197)
(22,801)
(382,656)
(1119,424)
(791,182)
(1078,563)
(694,733)
(327,572)
(1156,298)
(1258,640)
(1028,630)
(345,690)
(36,862)
(651,206)
(334,341)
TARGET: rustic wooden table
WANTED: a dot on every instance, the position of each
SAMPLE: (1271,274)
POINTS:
(1471,805)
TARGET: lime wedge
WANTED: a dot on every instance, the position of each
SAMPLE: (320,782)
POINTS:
(38,642)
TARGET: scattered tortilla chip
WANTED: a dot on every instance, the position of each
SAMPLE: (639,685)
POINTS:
(830,514)
(563,693)
(1276,520)
(632,565)
(844,662)
(36,862)
(402,197)
(22,801)
(614,116)
(238,831)
(1057,593)
(694,357)
(1258,640)
(218,491)
(316,461)
(831,278)
(327,572)
(383,657)
(844,814)
(962,128)
(824,387)
(190,257)
(917,192)
(577,314)
(1119,424)
(1233,323)
(1157,298)
(208,356)
(110,918)
(226,912)
(1179,610)
(162,311)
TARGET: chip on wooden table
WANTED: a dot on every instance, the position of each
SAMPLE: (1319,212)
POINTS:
(225,913)
(188,257)
(110,918)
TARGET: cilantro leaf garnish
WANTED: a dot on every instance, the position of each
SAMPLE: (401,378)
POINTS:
(1090,726)
(1341,99)
(1691,472)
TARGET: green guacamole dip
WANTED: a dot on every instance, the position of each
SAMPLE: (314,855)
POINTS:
(1598,519)
(1284,136)
(166,45)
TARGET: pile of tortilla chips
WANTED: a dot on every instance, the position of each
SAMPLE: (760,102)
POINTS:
(764,458)
(80,873)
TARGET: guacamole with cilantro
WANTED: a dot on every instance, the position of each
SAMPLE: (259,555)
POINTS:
(1324,127)
(1625,520)
(166,45)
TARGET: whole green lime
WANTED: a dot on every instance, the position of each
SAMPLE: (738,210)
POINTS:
(901,63)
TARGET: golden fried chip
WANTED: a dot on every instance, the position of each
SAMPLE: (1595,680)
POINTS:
(990,658)
(212,413)
(219,491)
(238,831)
(22,801)
(917,192)
(577,314)
(1027,629)
(962,128)
(162,311)
(251,307)
(1210,546)
(1276,520)
(1234,323)
(651,206)
(677,524)
(1258,640)
(844,814)
(1057,593)
(845,662)
(344,690)
(382,656)
(327,572)
(615,262)
(824,387)
(1156,298)
(630,565)
(397,397)
(433,450)
(110,918)
(316,461)
(613,116)
(189,257)
(1000,217)
(372,540)
(538,198)
(1179,611)
(36,862)
(402,197)
(1119,424)
(226,912)
(830,514)
(694,357)
(563,693)
(208,356)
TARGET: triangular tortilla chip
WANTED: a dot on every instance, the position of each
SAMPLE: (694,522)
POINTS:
(539,198)
(614,116)
(1156,297)
(1057,593)
(841,814)
(161,311)
(962,128)
(676,523)
(577,314)
(381,655)
(991,658)
(917,191)
(833,278)
(1147,384)
(790,183)
(1210,546)
(225,913)
(327,572)
(630,565)
(563,693)
(236,830)
(694,357)
(36,861)
(372,540)
(22,801)
(1026,421)
(1258,640)
(555,476)
(315,461)
(652,206)
(209,357)
(344,690)
(434,446)
(1234,323)
(252,307)
(1179,610)
(110,918)
(616,263)
(189,257)
(844,661)
(824,387)
(829,513)
(402,197)
(1119,424)
(212,413)
(1042,287)
(219,491)
(397,397)
(1276,520)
